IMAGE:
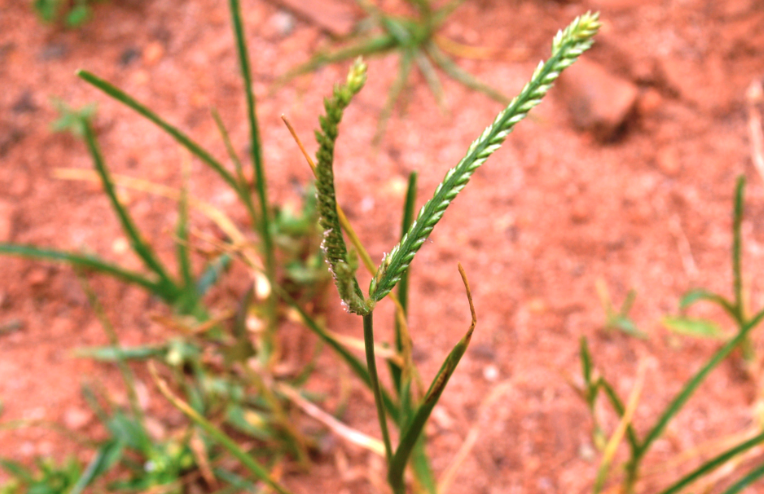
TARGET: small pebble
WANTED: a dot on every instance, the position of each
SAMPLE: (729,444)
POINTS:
(668,161)
(153,53)
(76,418)
(600,102)
(283,22)
(490,373)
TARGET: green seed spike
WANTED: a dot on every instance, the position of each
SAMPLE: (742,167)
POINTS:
(334,248)
(566,48)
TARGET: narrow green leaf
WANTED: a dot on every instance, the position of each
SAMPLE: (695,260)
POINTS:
(749,479)
(237,482)
(409,209)
(698,328)
(431,77)
(620,409)
(368,47)
(586,361)
(714,463)
(413,429)
(176,134)
(737,247)
(689,388)
(461,75)
(404,69)
(255,144)
(700,294)
(17,470)
(182,244)
(212,274)
(420,464)
(626,325)
(107,456)
(139,245)
(86,261)
(114,354)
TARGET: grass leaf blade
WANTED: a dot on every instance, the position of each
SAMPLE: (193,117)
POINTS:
(176,134)
(714,463)
(749,479)
(86,262)
(139,245)
(412,431)
(678,402)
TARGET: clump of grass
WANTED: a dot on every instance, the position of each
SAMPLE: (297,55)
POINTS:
(72,13)
(416,40)
(640,446)
(407,409)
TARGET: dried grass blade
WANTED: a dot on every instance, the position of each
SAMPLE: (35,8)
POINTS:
(349,434)
(620,431)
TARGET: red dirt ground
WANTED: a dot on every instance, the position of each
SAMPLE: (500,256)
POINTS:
(552,212)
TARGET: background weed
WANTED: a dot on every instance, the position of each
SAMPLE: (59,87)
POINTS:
(417,42)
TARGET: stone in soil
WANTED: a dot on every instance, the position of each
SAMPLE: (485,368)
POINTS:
(599,102)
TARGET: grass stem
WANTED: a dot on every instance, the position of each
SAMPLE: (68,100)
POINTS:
(368,336)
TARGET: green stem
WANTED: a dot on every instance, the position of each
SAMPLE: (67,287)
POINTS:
(368,338)
(257,162)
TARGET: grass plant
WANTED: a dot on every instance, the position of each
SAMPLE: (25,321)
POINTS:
(640,446)
(407,410)
(416,40)
(72,13)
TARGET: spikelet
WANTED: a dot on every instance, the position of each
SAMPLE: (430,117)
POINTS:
(566,47)
(333,245)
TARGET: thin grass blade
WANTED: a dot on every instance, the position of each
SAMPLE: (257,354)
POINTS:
(458,74)
(212,274)
(403,340)
(697,295)
(175,133)
(737,247)
(255,143)
(86,262)
(107,456)
(368,47)
(620,409)
(749,479)
(432,79)
(139,245)
(182,243)
(397,87)
(679,401)
(714,463)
